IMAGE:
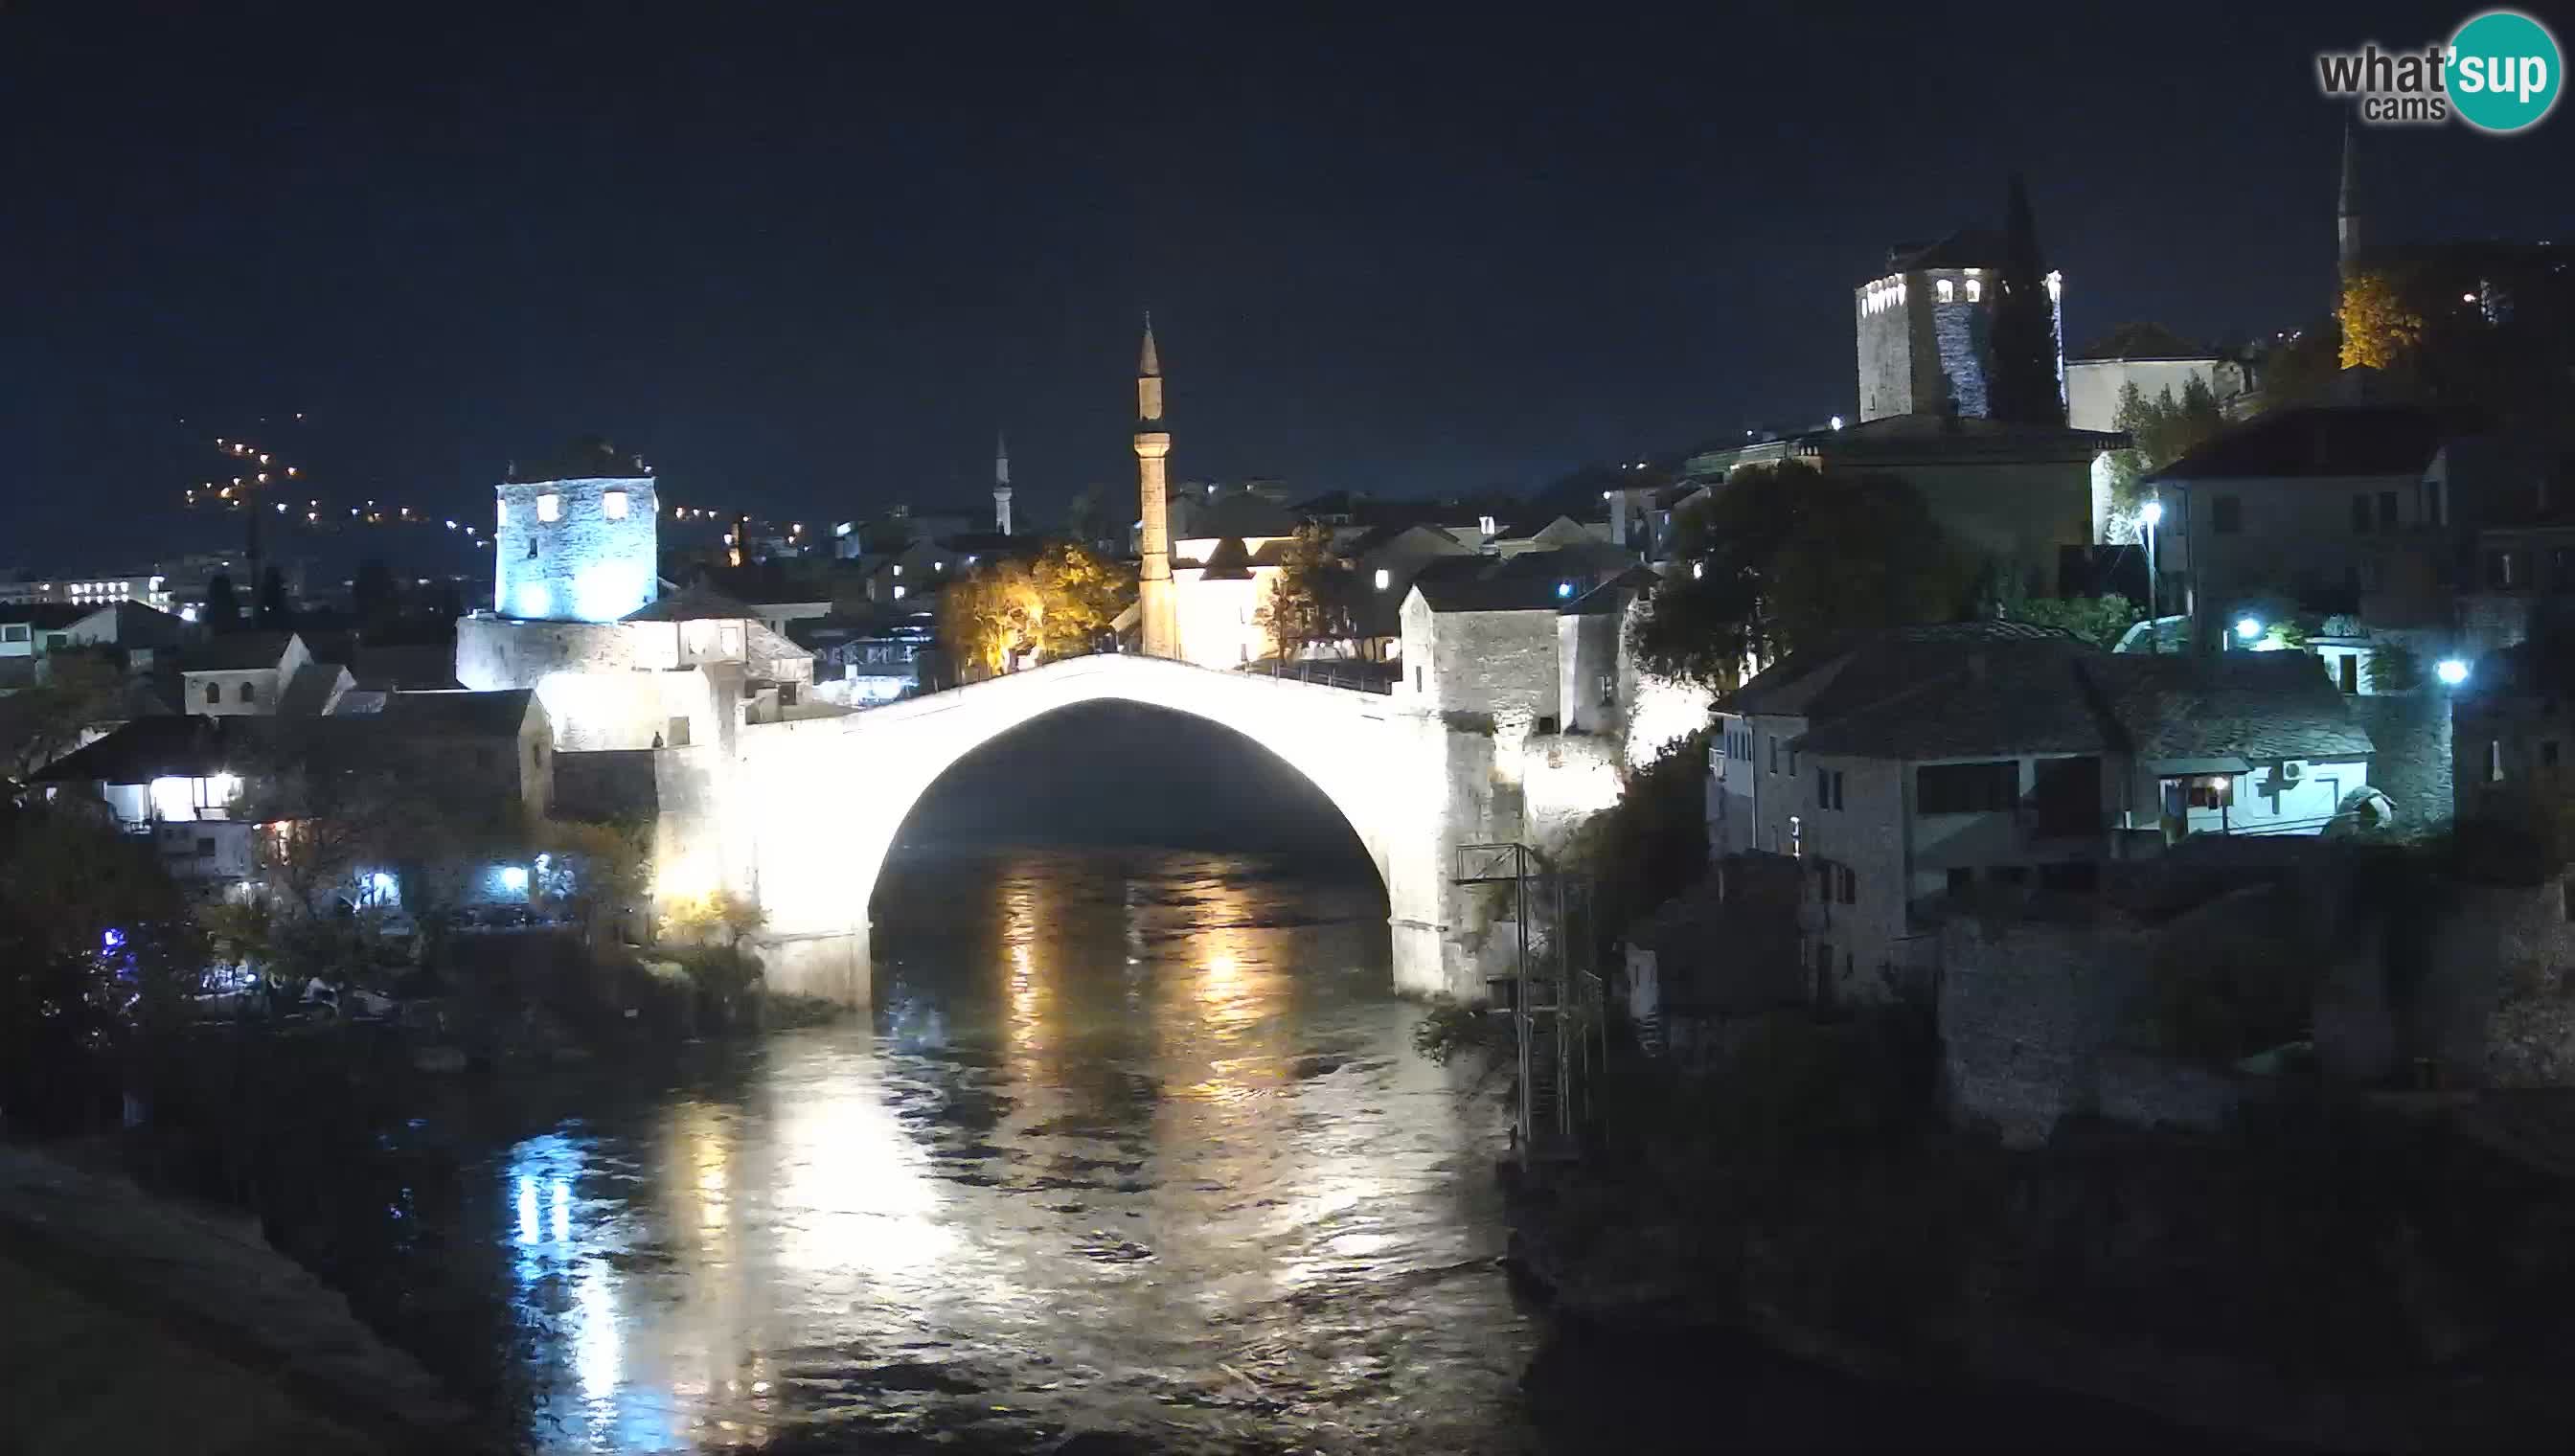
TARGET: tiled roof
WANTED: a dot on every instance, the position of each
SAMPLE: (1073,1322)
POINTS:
(1228,562)
(308,692)
(1613,596)
(2255,705)
(690,604)
(157,748)
(499,713)
(425,666)
(1529,581)
(238,652)
(2143,340)
(2320,440)
(1864,667)
(2014,698)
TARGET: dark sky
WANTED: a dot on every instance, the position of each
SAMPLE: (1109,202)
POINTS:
(809,265)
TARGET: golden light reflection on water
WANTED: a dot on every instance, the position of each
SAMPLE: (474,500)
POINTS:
(1137,1138)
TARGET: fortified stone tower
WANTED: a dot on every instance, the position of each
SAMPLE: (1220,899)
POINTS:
(1925,327)
(580,544)
(1157,611)
(1002,484)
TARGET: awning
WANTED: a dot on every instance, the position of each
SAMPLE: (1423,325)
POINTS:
(2187,768)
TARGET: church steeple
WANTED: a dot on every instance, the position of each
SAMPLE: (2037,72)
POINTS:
(2347,208)
(1156,608)
(1002,483)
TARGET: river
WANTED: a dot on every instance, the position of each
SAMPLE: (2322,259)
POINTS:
(1132,1154)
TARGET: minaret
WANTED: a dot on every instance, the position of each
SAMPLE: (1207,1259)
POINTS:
(2347,211)
(1157,611)
(1002,484)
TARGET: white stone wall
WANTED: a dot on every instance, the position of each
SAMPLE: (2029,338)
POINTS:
(1866,939)
(1412,788)
(585,565)
(1221,619)
(1587,650)
(2092,386)
(1566,780)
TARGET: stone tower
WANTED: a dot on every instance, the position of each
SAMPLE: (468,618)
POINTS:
(1002,484)
(1157,611)
(2347,209)
(580,543)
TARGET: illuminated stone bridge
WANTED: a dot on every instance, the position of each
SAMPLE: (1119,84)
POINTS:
(804,815)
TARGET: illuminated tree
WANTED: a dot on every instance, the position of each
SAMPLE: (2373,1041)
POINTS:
(1009,611)
(1310,599)
(2160,431)
(2381,330)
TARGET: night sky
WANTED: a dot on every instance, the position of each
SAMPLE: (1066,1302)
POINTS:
(810,266)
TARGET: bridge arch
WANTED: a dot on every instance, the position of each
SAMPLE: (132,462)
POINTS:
(815,806)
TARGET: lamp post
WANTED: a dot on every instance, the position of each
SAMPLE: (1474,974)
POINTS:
(2153,514)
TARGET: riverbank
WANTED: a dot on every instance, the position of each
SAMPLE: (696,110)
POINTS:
(138,1325)
(2337,1279)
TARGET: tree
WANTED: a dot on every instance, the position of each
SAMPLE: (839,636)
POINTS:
(1782,558)
(2380,329)
(1094,520)
(2024,387)
(2160,431)
(1310,597)
(80,690)
(223,604)
(373,595)
(596,871)
(97,948)
(1081,595)
(271,598)
(1008,610)
(2100,621)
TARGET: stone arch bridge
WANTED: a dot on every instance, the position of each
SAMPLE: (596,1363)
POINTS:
(803,814)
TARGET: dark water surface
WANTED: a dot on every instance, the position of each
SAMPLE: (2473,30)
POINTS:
(1133,1155)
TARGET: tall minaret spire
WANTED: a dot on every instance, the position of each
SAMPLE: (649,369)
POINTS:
(2347,210)
(1002,484)
(1157,609)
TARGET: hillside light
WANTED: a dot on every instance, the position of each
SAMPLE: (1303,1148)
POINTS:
(2452,672)
(1837,422)
(2247,628)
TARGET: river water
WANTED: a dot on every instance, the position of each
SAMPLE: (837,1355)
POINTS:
(1133,1154)
(1133,1144)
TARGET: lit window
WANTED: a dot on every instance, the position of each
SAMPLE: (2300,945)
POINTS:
(1948,291)
(505,512)
(897,569)
(549,506)
(1975,290)
(1384,577)
(897,593)
(613,505)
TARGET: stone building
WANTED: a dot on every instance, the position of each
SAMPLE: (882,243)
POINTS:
(1925,327)
(1913,770)
(580,545)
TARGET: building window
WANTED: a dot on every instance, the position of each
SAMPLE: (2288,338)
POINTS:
(2211,791)
(612,504)
(549,506)
(2360,517)
(1957,788)
(2225,515)
(1846,884)
(246,693)
(1416,680)
(2501,572)
(1609,690)
(2494,761)
(2387,509)
(1975,290)
(1948,291)
(214,692)
(1828,789)
(1385,579)
(1774,753)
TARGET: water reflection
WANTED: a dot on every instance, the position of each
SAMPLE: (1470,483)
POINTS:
(1133,1144)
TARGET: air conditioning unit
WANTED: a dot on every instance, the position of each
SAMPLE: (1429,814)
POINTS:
(2291,770)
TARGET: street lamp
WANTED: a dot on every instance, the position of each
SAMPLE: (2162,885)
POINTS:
(2154,516)
(2452,672)
(2247,628)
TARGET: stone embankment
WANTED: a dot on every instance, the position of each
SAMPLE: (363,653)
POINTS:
(136,1324)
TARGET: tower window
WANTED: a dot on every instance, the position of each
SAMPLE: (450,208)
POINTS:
(1384,576)
(613,505)
(1975,290)
(1948,291)
(549,506)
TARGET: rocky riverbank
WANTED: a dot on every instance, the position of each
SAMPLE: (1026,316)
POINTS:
(136,1324)
(2347,1284)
